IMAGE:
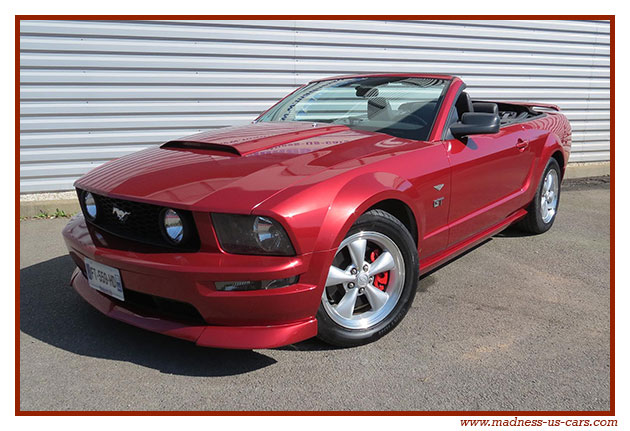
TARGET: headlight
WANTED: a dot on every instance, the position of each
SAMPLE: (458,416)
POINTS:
(173,226)
(90,205)
(244,234)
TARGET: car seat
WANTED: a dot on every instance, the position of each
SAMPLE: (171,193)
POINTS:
(378,108)
(463,105)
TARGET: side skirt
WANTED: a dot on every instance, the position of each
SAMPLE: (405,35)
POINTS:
(455,250)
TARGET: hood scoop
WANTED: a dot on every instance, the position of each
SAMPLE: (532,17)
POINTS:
(194,145)
(245,140)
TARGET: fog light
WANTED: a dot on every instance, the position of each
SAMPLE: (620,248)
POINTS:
(90,205)
(230,286)
(173,226)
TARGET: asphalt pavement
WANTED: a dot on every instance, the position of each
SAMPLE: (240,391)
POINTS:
(518,323)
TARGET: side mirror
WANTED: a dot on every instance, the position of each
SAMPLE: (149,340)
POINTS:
(476,123)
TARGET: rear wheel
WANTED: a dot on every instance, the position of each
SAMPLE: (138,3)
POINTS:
(371,283)
(542,211)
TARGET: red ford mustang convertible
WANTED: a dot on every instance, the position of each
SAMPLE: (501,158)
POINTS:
(316,219)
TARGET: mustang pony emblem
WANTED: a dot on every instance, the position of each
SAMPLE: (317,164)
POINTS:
(120,214)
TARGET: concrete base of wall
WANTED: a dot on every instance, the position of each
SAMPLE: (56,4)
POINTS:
(49,207)
(586,170)
(48,203)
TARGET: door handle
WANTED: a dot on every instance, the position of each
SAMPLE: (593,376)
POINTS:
(521,145)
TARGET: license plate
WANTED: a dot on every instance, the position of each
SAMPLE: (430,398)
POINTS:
(104,279)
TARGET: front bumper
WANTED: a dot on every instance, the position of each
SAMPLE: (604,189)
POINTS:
(242,320)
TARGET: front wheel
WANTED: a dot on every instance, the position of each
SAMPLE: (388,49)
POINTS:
(371,283)
(542,211)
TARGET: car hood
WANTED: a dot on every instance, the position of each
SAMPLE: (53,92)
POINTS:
(234,169)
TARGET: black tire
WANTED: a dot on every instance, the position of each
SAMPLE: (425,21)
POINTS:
(533,221)
(382,222)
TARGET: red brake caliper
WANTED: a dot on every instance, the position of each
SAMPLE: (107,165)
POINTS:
(380,280)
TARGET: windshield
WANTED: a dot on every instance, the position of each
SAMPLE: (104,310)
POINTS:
(398,106)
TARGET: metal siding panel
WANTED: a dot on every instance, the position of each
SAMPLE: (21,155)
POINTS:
(580,27)
(34,109)
(102,138)
(157,92)
(39,44)
(241,29)
(100,77)
(134,122)
(35,61)
(95,90)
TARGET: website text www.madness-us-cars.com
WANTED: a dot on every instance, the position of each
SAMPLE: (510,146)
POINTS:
(516,422)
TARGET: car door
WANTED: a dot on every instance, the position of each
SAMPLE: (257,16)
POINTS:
(488,174)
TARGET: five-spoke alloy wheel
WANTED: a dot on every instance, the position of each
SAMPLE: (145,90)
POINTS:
(549,198)
(371,282)
(351,297)
(541,213)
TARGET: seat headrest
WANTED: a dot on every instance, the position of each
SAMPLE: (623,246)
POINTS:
(463,104)
(490,108)
(377,106)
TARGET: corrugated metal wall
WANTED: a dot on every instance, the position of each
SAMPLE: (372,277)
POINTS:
(95,90)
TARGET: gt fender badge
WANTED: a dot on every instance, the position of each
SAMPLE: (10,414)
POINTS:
(437,202)
(438,187)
